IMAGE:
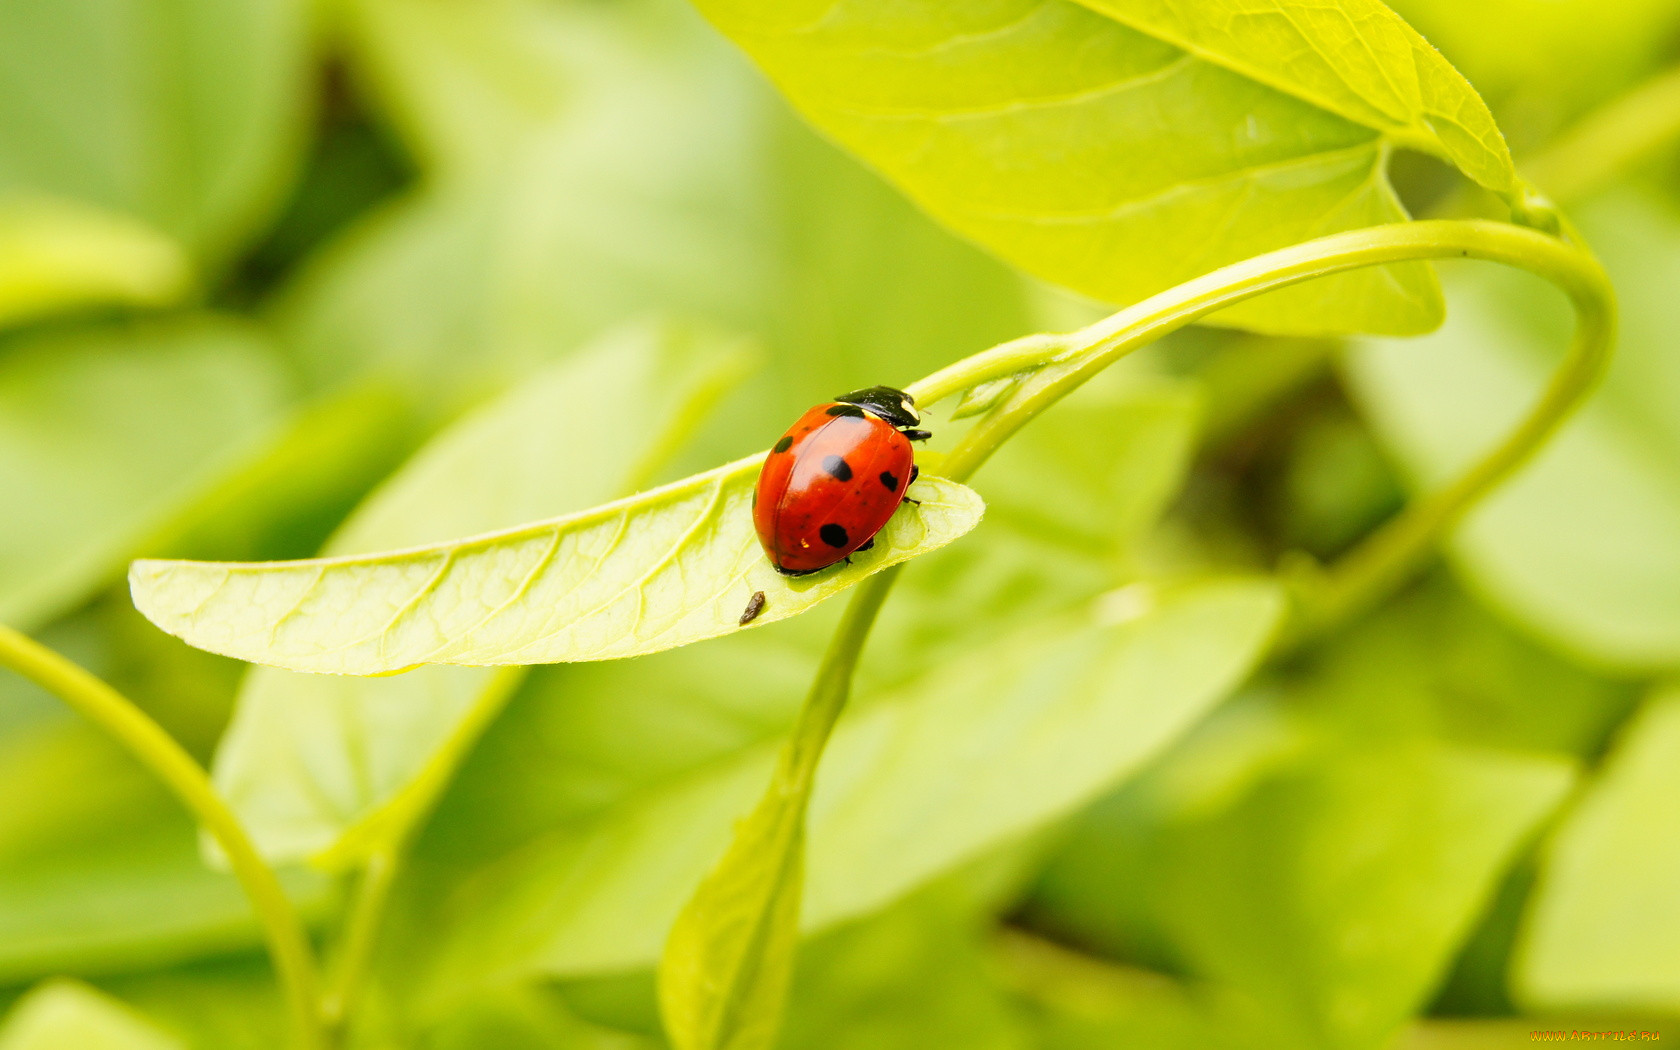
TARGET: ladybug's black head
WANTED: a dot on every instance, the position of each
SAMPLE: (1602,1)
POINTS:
(892,405)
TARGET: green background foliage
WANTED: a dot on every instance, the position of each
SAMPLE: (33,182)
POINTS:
(281,279)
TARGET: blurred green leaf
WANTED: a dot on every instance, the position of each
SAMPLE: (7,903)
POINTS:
(1541,64)
(1432,667)
(911,977)
(299,483)
(107,436)
(653,172)
(728,959)
(1603,929)
(1079,1002)
(468,86)
(1320,881)
(223,1003)
(625,188)
(1336,893)
(524,1017)
(98,867)
(57,255)
(1434,663)
(1098,469)
(63,1014)
(1120,147)
(966,758)
(1583,546)
(310,759)
(187,115)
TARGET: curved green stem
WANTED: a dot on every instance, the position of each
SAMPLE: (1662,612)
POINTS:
(361,935)
(288,943)
(381,841)
(1393,551)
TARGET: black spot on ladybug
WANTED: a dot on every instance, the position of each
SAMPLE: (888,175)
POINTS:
(838,469)
(832,534)
(846,410)
(889,481)
(783,445)
(755,605)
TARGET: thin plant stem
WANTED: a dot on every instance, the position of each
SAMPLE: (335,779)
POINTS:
(832,684)
(1387,556)
(360,936)
(390,833)
(288,942)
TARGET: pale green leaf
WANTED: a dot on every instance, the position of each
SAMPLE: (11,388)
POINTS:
(664,568)
(106,435)
(526,1017)
(65,1014)
(1355,58)
(587,169)
(1336,892)
(309,760)
(1119,148)
(187,115)
(56,256)
(1603,928)
(910,977)
(1098,469)
(1320,872)
(1583,545)
(226,1003)
(937,771)
(1544,64)
(726,966)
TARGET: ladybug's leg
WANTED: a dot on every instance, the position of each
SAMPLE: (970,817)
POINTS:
(916,435)
(915,472)
(867,544)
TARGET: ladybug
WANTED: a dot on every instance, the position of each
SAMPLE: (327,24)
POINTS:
(835,478)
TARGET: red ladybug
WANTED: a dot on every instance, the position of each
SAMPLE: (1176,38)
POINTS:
(835,478)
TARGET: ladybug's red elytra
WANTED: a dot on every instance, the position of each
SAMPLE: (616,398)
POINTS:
(835,478)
